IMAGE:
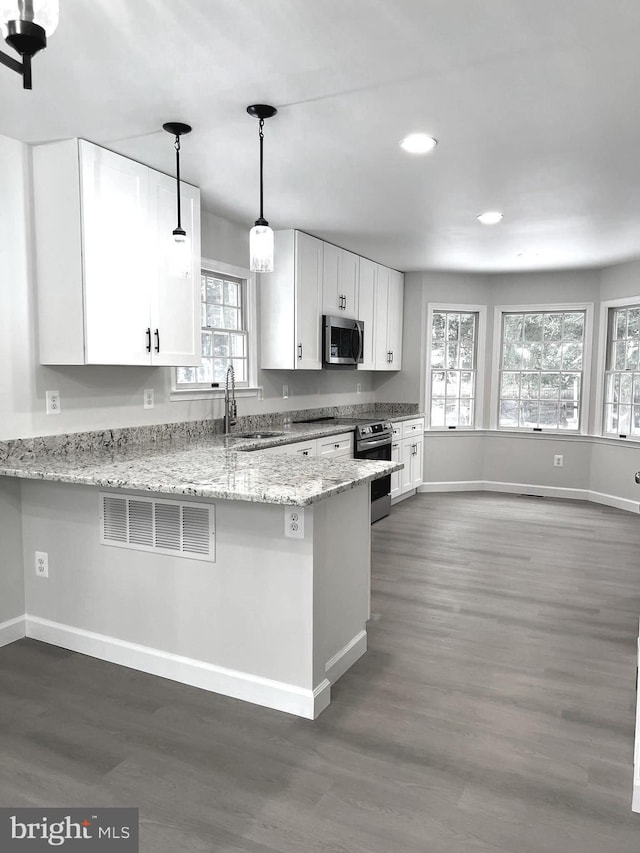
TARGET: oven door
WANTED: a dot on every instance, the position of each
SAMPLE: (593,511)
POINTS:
(376,448)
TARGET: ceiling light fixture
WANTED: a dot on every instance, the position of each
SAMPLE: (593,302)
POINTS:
(418,143)
(180,245)
(261,236)
(25,25)
(491,217)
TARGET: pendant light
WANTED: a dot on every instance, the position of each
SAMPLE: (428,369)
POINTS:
(25,25)
(261,236)
(179,244)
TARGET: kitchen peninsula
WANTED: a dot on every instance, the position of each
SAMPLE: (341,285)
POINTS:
(195,559)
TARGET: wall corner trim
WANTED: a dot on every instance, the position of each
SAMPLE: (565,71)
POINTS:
(12,630)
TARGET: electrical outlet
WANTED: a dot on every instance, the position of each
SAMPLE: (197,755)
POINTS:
(358,388)
(148,398)
(558,460)
(294,522)
(53,402)
(42,564)
(285,392)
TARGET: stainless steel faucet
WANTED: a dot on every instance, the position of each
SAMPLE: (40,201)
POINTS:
(230,405)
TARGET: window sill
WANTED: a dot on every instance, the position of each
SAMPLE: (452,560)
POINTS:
(211,393)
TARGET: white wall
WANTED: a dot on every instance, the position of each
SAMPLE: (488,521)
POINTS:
(11,566)
(455,459)
(98,397)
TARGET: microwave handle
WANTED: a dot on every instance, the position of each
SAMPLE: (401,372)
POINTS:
(357,355)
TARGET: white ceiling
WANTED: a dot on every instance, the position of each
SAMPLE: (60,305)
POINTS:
(536,106)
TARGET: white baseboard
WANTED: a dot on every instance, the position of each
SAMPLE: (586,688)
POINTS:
(12,630)
(217,679)
(612,500)
(530,489)
(346,657)
(453,486)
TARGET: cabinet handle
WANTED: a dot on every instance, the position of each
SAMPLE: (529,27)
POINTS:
(157,334)
(299,350)
(305,452)
(148,340)
(337,446)
(414,447)
(394,445)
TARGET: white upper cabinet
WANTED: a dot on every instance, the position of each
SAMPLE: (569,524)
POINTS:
(103,227)
(395,307)
(312,278)
(368,272)
(291,304)
(340,282)
(175,303)
(389,298)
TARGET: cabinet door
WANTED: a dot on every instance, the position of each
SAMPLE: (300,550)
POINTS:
(406,449)
(336,446)
(303,448)
(417,462)
(308,301)
(117,272)
(368,274)
(175,304)
(348,283)
(340,282)
(396,476)
(395,300)
(381,350)
(331,301)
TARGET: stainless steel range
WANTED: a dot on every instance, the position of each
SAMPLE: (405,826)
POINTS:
(373,441)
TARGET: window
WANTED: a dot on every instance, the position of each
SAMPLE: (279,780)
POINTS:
(541,369)
(622,372)
(452,373)
(225,337)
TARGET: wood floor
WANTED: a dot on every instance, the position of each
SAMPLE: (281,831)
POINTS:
(494,710)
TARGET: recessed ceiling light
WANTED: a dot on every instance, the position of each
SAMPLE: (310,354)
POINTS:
(418,143)
(491,217)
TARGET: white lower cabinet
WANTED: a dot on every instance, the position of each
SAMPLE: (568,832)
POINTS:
(408,445)
(396,456)
(336,446)
(331,447)
(296,448)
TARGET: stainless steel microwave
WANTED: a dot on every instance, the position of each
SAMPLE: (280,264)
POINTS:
(342,340)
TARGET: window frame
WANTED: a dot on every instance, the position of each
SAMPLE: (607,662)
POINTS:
(251,389)
(603,347)
(585,385)
(481,338)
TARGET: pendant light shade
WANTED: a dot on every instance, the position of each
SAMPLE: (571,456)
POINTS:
(25,26)
(261,236)
(261,248)
(179,253)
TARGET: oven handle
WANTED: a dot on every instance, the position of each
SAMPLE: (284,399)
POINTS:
(365,444)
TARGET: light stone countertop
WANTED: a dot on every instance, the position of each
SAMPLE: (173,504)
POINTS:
(215,467)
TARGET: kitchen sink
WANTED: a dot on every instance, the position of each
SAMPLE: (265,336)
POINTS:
(260,434)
